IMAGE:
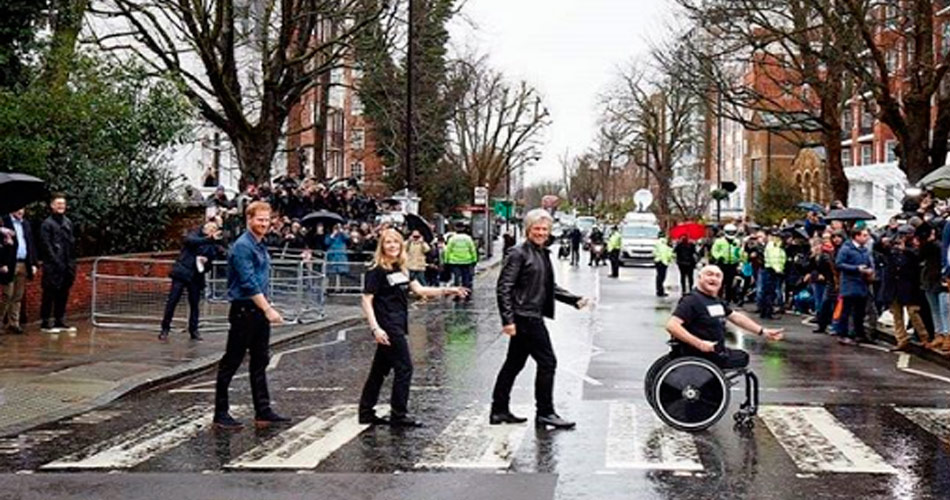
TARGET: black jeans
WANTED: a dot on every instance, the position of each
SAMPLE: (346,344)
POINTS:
(853,309)
(174,295)
(575,254)
(686,277)
(249,332)
(531,339)
(729,272)
(660,278)
(828,304)
(54,302)
(393,357)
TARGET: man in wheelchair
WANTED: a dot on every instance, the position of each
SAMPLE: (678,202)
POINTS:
(689,387)
(698,324)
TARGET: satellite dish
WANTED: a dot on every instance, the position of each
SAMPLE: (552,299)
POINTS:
(643,198)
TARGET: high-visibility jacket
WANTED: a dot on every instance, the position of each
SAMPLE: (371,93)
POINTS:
(662,253)
(726,251)
(460,249)
(775,257)
(614,242)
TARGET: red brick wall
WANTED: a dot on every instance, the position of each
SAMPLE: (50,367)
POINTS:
(80,295)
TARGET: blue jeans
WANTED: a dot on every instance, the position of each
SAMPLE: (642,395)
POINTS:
(818,294)
(940,311)
(419,276)
(462,275)
(758,285)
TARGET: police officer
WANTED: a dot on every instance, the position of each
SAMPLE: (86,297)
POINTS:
(698,323)
(726,254)
(250,318)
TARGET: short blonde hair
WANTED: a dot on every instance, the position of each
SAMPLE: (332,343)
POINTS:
(535,217)
(380,259)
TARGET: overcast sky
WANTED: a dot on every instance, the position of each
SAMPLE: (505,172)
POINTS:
(569,49)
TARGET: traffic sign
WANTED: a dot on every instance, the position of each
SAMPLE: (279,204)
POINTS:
(481,195)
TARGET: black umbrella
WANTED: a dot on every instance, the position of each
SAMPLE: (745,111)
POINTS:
(325,217)
(417,223)
(18,191)
(851,214)
(811,206)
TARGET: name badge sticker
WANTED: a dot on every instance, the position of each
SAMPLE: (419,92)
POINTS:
(397,279)
(716,310)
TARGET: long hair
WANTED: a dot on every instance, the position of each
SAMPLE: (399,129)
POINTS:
(380,259)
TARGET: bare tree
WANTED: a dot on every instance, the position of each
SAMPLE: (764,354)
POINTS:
(496,127)
(656,119)
(909,98)
(775,59)
(242,63)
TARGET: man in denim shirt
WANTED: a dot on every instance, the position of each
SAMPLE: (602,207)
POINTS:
(250,318)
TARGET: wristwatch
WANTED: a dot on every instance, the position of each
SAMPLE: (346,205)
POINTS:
(761,331)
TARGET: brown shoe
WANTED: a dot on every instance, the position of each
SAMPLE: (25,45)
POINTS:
(901,347)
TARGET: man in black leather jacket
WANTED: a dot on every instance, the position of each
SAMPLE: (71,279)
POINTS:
(526,293)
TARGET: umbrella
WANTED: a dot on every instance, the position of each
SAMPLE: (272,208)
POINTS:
(937,181)
(811,206)
(849,214)
(417,223)
(795,232)
(18,191)
(325,217)
(692,230)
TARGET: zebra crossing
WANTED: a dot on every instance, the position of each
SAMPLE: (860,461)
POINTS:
(811,436)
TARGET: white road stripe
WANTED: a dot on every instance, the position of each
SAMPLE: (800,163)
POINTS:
(934,420)
(818,442)
(306,444)
(469,442)
(638,440)
(138,445)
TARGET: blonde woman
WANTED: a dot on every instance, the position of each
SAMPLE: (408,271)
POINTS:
(385,304)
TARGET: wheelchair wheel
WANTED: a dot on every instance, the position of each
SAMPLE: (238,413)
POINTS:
(690,394)
(651,375)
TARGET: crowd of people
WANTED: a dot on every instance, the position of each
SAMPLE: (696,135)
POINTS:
(844,273)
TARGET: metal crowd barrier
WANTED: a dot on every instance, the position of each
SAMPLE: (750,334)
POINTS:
(346,272)
(130,292)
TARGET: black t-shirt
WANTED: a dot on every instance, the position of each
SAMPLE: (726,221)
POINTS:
(703,316)
(390,290)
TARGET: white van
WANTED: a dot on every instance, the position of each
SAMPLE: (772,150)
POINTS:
(639,235)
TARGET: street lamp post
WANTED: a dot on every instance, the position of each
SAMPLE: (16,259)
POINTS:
(409,76)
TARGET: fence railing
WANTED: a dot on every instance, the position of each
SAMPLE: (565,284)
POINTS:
(131,292)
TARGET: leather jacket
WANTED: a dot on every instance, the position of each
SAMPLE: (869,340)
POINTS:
(526,285)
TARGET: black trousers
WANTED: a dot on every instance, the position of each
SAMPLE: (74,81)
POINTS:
(614,263)
(828,304)
(853,310)
(54,302)
(174,296)
(729,272)
(686,277)
(575,254)
(531,339)
(660,278)
(249,332)
(393,357)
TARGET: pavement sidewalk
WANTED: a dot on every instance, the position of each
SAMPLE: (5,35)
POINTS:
(46,377)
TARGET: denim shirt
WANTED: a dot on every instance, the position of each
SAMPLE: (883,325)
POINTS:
(248,268)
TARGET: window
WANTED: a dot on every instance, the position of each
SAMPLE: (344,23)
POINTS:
(357,169)
(358,139)
(847,121)
(889,197)
(867,154)
(889,154)
(867,119)
(846,157)
(356,105)
(945,38)
(890,59)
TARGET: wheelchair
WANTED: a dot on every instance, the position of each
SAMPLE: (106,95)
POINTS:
(691,394)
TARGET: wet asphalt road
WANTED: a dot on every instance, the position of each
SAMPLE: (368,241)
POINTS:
(837,422)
